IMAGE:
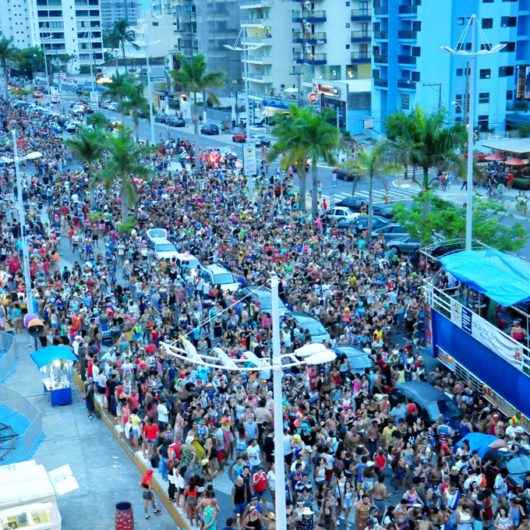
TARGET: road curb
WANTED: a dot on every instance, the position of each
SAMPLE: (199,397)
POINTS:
(181,522)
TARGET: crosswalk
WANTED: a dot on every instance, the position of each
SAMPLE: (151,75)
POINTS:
(394,195)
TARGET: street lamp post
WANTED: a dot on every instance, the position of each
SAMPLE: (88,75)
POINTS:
(310,354)
(22,222)
(472,54)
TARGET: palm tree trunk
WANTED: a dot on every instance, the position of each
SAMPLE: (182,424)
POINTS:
(204,107)
(370,205)
(354,182)
(314,189)
(425,185)
(123,54)
(6,77)
(302,185)
(124,209)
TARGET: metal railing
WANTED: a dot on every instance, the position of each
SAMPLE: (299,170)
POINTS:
(515,353)
(21,405)
(7,354)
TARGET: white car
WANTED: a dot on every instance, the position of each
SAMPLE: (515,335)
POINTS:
(341,213)
(154,234)
(187,261)
(216,275)
(71,125)
(164,249)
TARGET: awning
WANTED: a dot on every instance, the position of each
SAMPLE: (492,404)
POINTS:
(47,355)
(518,146)
(501,277)
(516,162)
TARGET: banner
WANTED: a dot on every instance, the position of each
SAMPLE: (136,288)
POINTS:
(249,159)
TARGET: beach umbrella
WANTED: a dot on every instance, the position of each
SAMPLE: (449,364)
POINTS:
(493,157)
(516,162)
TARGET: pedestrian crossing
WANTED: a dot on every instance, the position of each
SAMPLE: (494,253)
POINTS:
(394,195)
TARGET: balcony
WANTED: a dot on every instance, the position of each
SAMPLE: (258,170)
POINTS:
(314,17)
(408,10)
(407,34)
(360,57)
(361,36)
(381,58)
(381,35)
(381,9)
(254,4)
(406,84)
(360,15)
(381,83)
(316,59)
(257,22)
(310,38)
(406,59)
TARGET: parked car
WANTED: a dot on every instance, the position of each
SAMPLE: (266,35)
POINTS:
(262,297)
(358,359)
(361,223)
(161,118)
(390,231)
(345,174)
(217,275)
(210,129)
(175,121)
(355,204)
(433,404)
(187,261)
(155,234)
(163,249)
(314,327)
(262,141)
(384,210)
(72,125)
(339,213)
(404,244)
(493,449)
(239,138)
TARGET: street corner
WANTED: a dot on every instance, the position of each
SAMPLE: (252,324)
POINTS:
(405,184)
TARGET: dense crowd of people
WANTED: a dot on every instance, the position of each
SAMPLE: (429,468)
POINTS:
(354,455)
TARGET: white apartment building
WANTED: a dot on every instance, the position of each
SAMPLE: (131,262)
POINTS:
(155,35)
(59,27)
(267,34)
(114,10)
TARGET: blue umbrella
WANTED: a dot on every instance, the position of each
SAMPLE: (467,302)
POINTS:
(47,355)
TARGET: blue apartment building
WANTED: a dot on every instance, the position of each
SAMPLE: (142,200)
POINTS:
(410,69)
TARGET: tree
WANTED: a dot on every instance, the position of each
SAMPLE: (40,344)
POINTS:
(192,77)
(122,34)
(428,142)
(374,163)
(447,220)
(58,63)
(305,135)
(29,60)
(129,94)
(97,120)
(88,146)
(124,162)
(7,54)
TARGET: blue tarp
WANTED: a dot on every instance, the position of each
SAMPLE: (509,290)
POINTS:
(478,442)
(499,276)
(47,355)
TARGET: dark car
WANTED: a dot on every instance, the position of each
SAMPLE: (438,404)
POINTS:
(358,359)
(384,210)
(345,174)
(262,141)
(355,204)
(210,129)
(390,231)
(433,404)
(161,118)
(361,223)
(176,121)
(404,244)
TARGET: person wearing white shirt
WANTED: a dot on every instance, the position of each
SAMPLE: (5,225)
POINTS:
(163,415)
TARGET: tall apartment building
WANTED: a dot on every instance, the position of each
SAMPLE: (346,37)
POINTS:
(205,27)
(409,67)
(114,10)
(18,21)
(267,34)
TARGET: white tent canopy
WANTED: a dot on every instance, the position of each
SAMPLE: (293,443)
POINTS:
(517,146)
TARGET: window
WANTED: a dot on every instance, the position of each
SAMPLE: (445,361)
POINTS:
(505,71)
(487,23)
(459,72)
(485,73)
(508,47)
(487,1)
(483,123)
(509,95)
(508,22)
(405,101)
(458,104)
(484,97)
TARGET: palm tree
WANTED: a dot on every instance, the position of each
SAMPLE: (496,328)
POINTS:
(88,146)
(97,120)
(122,34)
(291,151)
(123,163)
(192,77)
(7,53)
(373,163)
(433,144)
(404,144)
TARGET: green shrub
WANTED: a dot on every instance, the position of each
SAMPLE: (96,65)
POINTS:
(521,183)
(127,226)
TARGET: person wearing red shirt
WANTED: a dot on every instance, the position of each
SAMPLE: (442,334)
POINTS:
(150,436)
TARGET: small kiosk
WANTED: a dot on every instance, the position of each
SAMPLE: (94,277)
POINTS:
(27,498)
(55,364)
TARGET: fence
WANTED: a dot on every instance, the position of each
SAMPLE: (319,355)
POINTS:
(7,354)
(19,405)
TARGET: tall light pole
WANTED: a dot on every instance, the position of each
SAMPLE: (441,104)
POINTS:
(46,66)
(152,136)
(22,222)
(472,54)
(310,354)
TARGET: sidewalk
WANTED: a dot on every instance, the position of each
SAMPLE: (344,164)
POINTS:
(104,473)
